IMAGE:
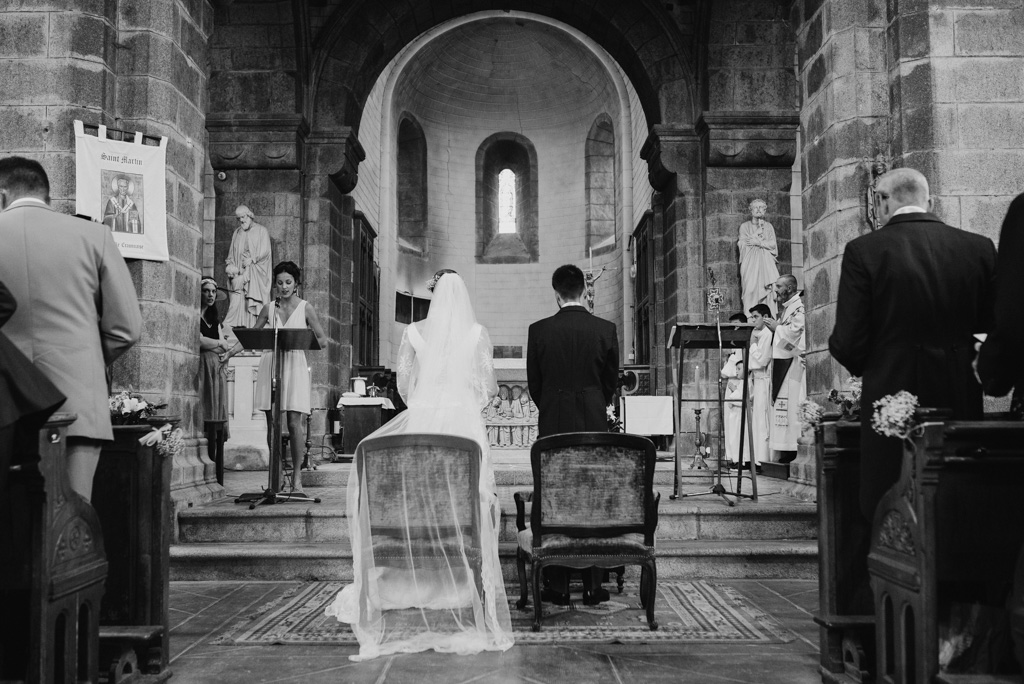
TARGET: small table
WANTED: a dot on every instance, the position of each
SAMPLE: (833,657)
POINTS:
(360,417)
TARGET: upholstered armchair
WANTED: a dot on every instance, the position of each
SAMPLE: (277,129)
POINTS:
(593,505)
(422,500)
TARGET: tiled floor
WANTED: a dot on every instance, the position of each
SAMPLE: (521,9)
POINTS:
(202,610)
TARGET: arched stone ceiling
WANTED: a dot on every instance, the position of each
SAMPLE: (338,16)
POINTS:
(505,70)
(362,36)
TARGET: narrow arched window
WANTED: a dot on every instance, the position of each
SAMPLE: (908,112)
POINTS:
(507,201)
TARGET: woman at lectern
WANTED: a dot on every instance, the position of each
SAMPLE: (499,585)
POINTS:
(289,312)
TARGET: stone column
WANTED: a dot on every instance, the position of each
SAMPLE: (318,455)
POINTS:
(333,163)
(675,169)
(845,123)
(162,75)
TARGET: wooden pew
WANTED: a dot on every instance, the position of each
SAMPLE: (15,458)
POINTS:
(950,528)
(845,615)
(131,494)
(54,568)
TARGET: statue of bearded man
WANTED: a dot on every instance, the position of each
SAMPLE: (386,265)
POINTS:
(248,269)
(759,256)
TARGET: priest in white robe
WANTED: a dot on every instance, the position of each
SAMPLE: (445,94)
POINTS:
(760,358)
(788,373)
(759,255)
(248,268)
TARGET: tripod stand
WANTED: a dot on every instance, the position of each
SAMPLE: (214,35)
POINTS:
(702,336)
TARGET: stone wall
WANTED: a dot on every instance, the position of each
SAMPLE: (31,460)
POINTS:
(844,120)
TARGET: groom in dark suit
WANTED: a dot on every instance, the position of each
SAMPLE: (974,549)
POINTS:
(572,366)
(911,296)
(572,362)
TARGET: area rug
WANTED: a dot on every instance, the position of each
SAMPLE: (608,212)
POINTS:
(686,612)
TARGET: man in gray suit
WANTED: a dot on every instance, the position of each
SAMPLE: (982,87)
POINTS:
(77,305)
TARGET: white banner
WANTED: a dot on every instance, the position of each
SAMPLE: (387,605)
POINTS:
(121,184)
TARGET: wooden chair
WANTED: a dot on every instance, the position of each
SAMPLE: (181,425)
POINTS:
(593,505)
(430,463)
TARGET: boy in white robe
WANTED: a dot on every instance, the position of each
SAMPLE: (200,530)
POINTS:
(733,372)
(760,362)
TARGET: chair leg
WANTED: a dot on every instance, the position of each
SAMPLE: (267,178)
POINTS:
(651,573)
(524,585)
(536,595)
(621,572)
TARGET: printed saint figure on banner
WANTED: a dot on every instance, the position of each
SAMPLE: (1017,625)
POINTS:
(123,211)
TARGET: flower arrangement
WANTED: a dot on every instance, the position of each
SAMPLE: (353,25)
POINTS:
(614,423)
(848,400)
(894,415)
(810,413)
(167,440)
(127,408)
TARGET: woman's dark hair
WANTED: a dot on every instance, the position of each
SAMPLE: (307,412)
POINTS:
(568,282)
(211,315)
(290,268)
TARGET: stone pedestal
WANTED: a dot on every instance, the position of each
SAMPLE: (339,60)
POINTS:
(247,447)
(803,477)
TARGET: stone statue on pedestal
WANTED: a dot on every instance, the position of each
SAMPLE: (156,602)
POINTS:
(759,256)
(248,268)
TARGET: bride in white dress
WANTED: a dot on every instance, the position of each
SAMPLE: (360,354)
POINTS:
(446,376)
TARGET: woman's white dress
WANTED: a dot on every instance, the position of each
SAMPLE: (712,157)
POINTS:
(295,386)
(403,611)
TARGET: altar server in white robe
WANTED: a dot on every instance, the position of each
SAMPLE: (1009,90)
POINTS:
(735,376)
(788,377)
(760,362)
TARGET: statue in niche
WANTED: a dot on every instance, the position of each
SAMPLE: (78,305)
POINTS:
(759,256)
(879,167)
(248,268)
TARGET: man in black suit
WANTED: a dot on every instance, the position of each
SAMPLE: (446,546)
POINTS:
(911,297)
(572,367)
(572,362)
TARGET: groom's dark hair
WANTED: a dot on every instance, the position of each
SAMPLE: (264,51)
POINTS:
(568,282)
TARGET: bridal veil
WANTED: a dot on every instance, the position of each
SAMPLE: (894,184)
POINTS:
(446,376)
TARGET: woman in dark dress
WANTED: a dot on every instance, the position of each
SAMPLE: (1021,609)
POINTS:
(214,352)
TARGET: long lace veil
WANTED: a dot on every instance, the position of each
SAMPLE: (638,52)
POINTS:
(446,376)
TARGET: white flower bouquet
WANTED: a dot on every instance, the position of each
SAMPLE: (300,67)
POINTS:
(127,408)
(810,413)
(894,415)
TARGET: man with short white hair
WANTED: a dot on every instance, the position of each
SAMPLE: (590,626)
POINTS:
(911,296)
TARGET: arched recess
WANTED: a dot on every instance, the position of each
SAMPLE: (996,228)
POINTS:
(602,184)
(411,201)
(362,37)
(497,153)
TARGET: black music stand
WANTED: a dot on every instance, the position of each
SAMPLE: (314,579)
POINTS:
(705,336)
(279,340)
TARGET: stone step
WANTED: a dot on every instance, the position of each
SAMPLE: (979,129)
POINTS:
(772,517)
(516,474)
(677,560)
